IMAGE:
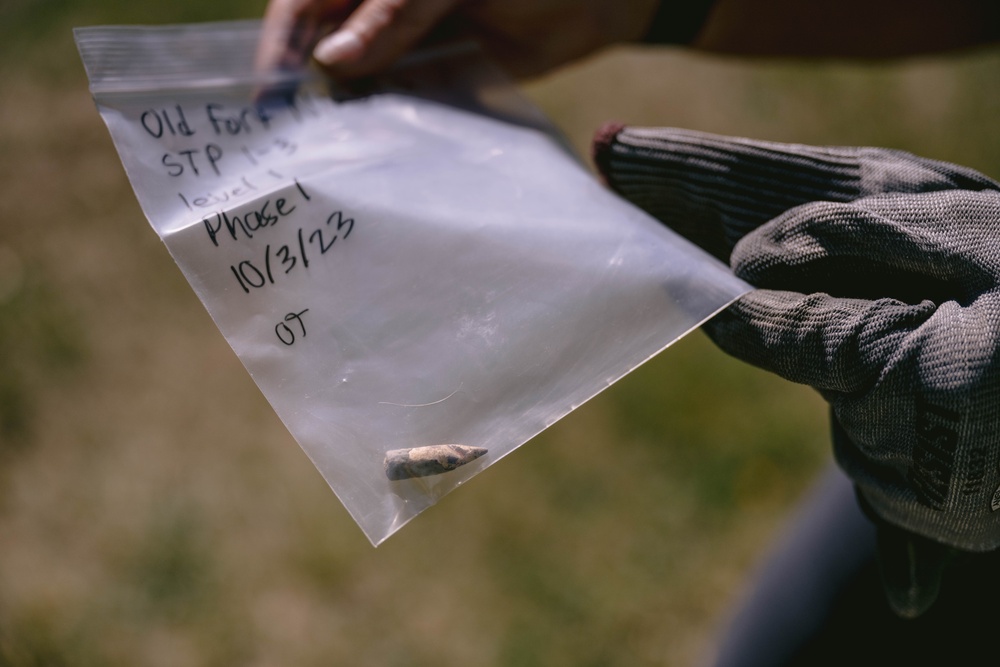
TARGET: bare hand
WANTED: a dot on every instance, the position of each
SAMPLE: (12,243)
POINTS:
(352,38)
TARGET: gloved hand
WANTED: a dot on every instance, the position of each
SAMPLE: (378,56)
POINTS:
(878,276)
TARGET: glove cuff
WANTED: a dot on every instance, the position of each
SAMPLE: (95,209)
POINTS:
(961,525)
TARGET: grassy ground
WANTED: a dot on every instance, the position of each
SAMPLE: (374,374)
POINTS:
(153,511)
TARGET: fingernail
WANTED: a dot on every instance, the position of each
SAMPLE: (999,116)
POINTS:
(341,46)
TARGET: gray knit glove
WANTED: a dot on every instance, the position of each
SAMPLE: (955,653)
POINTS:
(879,285)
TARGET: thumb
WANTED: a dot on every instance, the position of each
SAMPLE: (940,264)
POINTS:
(832,344)
(377,33)
(846,285)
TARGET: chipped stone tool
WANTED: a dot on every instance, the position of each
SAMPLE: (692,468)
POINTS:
(430,460)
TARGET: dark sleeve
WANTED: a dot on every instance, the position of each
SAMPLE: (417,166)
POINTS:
(678,21)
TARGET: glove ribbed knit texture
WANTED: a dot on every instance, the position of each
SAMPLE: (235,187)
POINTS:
(879,285)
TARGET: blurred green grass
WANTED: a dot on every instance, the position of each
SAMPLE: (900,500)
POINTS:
(153,511)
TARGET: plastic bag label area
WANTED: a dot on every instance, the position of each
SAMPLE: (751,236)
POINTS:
(417,288)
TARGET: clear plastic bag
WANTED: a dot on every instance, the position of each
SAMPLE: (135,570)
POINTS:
(423,265)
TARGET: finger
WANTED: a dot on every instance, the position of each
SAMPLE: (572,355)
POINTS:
(844,285)
(379,32)
(832,344)
(932,246)
(715,189)
(291,28)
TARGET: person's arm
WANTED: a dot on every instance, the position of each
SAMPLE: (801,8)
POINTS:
(847,28)
(355,38)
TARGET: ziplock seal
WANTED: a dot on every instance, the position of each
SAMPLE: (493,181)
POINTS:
(132,59)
